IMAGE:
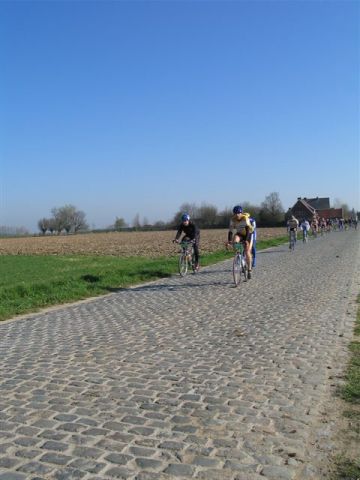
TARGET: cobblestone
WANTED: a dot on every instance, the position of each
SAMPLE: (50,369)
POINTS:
(183,377)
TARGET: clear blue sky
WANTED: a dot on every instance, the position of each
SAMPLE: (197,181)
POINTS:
(126,107)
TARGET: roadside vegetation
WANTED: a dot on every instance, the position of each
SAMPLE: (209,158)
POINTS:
(31,282)
(347,465)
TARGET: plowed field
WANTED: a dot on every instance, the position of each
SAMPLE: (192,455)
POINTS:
(125,244)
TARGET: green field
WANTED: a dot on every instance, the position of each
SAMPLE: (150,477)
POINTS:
(29,283)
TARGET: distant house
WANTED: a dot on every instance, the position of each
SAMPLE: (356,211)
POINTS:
(306,208)
(319,203)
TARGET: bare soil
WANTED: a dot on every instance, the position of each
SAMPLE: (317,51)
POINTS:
(125,244)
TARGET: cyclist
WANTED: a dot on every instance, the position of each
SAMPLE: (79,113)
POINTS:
(241,225)
(292,226)
(305,227)
(314,225)
(322,226)
(191,233)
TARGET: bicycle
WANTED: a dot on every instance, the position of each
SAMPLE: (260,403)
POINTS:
(239,264)
(187,258)
(305,235)
(292,240)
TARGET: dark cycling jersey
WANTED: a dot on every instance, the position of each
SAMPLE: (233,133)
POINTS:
(190,230)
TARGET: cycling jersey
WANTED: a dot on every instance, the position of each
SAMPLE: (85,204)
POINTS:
(241,226)
(190,230)
(305,225)
(293,224)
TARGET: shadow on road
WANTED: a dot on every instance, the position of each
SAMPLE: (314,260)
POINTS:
(168,287)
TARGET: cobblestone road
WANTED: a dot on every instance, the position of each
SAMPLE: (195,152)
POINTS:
(184,377)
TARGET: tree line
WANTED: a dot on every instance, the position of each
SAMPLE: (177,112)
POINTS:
(270,213)
(66,218)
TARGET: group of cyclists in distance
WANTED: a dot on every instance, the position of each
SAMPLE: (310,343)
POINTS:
(317,225)
(242,229)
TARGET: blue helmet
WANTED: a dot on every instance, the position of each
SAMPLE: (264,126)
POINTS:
(237,209)
(185,217)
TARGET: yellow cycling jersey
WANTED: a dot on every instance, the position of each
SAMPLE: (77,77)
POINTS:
(239,224)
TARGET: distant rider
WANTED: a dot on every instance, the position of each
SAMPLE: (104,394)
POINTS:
(305,227)
(192,233)
(292,227)
(240,230)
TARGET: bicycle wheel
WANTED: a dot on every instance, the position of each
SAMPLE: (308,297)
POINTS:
(244,269)
(183,264)
(237,269)
(292,242)
(193,263)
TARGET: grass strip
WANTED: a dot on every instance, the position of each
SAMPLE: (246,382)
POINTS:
(347,468)
(350,391)
(31,282)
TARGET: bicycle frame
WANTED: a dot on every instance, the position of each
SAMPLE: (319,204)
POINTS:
(186,257)
(292,239)
(305,235)
(239,264)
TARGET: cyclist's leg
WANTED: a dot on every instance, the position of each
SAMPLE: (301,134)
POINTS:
(250,249)
(253,251)
(247,253)
(196,251)
(236,262)
(291,238)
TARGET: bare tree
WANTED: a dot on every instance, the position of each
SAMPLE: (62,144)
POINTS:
(248,207)
(119,223)
(136,222)
(52,225)
(224,217)
(272,212)
(78,221)
(207,215)
(43,225)
(68,218)
(8,230)
(345,207)
(59,221)
(189,208)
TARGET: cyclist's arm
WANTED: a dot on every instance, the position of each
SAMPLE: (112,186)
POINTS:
(178,233)
(231,231)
